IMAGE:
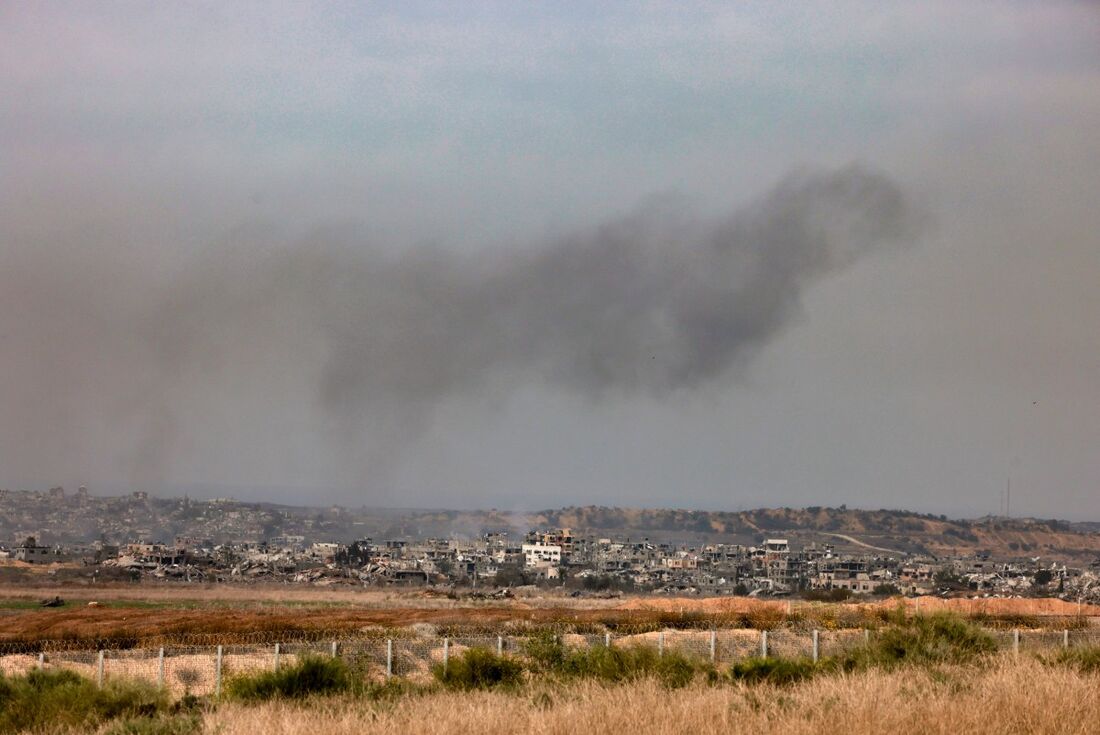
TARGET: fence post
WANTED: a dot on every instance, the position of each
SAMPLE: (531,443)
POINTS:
(607,640)
(866,635)
(713,644)
(335,649)
(764,643)
(500,645)
(817,648)
(1065,638)
(160,667)
(276,656)
(41,660)
(1016,642)
(389,657)
(99,670)
(661,643)
(218,673)
(446,652)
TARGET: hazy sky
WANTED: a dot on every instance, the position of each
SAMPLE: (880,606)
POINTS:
(527,255)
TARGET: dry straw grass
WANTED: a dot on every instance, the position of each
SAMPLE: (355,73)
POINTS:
(1004,697)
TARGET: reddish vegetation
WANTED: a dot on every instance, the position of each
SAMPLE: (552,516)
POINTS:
(255,612)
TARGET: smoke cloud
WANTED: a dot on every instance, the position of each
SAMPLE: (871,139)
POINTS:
(108,354)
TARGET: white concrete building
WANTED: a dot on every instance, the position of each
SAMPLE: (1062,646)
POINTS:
(541,555)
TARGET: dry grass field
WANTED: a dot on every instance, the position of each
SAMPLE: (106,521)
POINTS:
(1006,697)
(923,674)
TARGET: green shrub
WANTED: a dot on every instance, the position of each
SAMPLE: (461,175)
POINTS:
(675,670)
(931,639)
(609,664)
(544,652)
(310,675)
(778,671)
(54,701)
(478,668)
(1085,660)
(615,664)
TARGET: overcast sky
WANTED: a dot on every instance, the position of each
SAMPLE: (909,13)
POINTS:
(515,255)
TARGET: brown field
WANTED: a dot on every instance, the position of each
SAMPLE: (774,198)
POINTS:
(1007,697)
(167,613)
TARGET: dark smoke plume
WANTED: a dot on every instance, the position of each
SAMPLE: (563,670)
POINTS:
(652,303)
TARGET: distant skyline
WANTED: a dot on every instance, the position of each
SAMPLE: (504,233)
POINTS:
(526,256)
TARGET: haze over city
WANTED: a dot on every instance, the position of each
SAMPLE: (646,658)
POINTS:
(475,255)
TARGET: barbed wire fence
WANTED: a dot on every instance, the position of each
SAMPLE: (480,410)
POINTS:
(202,669)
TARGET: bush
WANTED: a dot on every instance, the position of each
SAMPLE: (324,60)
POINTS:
(545,652)
(627,664)
(310,675)
(52,701)
(1085,660)
(611,664)
(674,670)
(478,668)
(778,671)
(615,664)
(932,639)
